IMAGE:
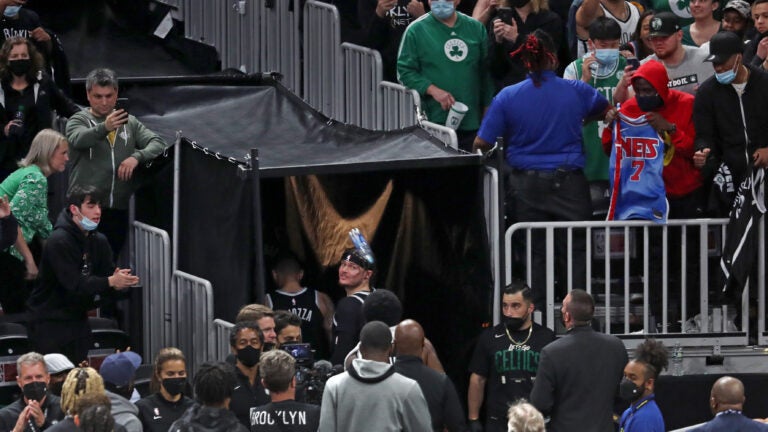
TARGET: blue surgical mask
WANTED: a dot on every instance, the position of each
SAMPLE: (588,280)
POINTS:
(728,76)
(442,9)
(11,11)
(86,223)
(607,56)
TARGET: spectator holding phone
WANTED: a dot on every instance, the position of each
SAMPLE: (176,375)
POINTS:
(602,68)
(108,145)
(509,26)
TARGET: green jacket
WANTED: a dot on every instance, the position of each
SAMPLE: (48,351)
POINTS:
(95,162)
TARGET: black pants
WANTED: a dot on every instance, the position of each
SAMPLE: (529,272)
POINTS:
(549,196)
(14,290)
(71,338)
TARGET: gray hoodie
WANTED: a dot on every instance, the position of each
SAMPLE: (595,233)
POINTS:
(125,413)
(371,397)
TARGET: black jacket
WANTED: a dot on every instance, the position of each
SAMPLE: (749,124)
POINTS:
(51,407)
(578,380)
(207,419)
(73,273)
(719,125)
(442,400)
(48,98)
(158,414)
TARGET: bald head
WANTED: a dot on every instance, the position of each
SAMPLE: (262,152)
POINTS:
(409,338)
(728,393)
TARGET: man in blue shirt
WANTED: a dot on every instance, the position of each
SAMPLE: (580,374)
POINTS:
(541,122)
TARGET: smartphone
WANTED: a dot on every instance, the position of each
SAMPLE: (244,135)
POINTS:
(122,103)
(299,351)
(505,14)
(634,62)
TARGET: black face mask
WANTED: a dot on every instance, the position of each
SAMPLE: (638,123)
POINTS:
(649,103)
(19,67)
(268,346)
(35,390)
(249,356)
(519,3)
(513,324)
(628,391)
(174,386)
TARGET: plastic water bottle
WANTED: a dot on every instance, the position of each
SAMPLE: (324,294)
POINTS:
(677,360)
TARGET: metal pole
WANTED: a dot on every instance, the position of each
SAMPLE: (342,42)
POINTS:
(502,211)
(259,283)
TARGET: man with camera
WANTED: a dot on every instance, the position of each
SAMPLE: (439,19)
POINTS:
(278,375)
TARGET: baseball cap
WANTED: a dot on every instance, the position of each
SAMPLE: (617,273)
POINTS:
(119,369)
(723,45)
(739,6)
(57,363)
(664,24)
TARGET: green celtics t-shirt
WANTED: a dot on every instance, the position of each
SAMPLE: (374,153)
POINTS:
(596,166)
(681,8)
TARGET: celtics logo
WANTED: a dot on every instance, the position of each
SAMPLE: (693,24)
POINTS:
(456,49)
(656,24)
(680,8)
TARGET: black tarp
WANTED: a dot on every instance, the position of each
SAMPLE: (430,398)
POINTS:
(429,241)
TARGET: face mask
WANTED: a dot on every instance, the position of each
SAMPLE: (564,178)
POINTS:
(268,346)
(514,323)
(442,9)
(34,391)
(519,3)
(728,76)
(86,223)
(649,103)
(19,67)
(249,356)
(11,11)
(607,56)
(628,391)
(174,386)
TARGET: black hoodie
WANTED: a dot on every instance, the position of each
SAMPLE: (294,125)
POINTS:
(201,418)
(73,273)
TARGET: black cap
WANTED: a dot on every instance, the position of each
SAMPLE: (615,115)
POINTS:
(357,257)
(664,24)
(723,45)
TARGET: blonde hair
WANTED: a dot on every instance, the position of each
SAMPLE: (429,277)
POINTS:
(253,312)
(42,149)
(165,355)
(79,382)
(524,417)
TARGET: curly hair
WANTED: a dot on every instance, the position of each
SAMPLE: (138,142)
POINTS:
(79,382)
(34,57)
(524,417)
(654,355)
(97,418)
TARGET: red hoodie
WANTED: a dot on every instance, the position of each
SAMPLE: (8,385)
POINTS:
(680,176)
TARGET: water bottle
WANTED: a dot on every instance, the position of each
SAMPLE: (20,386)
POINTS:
(677,360)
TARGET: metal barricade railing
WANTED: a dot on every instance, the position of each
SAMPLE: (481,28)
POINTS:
(398,106)
(153,267)
(491,211)
(240,47)
(190,314)
(220,347)
(443,133)
(279,40)
(626,251)
(362,75)
(323,89)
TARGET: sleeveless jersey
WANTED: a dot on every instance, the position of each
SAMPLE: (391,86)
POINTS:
(596,164)
(305,305)
(627,27)
(636,165)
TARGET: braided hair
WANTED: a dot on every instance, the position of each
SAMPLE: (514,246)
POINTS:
(80,381)
(97,418)
(653,355)
(537,53)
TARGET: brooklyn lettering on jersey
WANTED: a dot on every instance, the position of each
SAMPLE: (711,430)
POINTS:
(285,417)
(12,32)
(517,358)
